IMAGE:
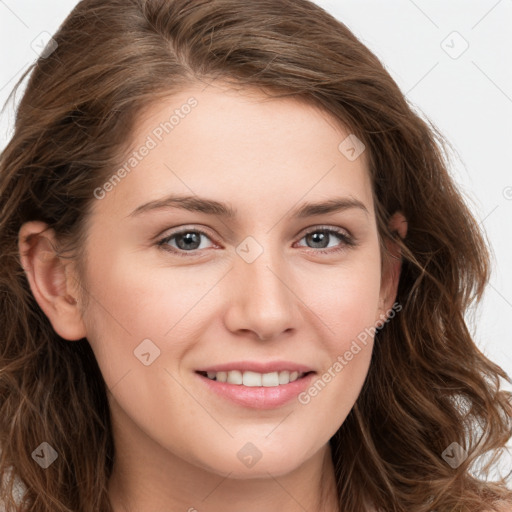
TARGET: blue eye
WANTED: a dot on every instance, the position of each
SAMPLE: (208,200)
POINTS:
(322,240)
(183,241)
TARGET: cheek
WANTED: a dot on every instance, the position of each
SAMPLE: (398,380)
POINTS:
(140,296)
(346,298)
(131,302)
(348,304)
(348,310)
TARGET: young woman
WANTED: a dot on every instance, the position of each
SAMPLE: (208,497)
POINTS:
(234,271)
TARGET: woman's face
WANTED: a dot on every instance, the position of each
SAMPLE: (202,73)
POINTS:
(207,255)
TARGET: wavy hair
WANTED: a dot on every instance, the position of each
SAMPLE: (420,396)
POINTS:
(428,384)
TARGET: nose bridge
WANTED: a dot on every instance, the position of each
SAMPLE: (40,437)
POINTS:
(263,303)
(264,280)
(263,275)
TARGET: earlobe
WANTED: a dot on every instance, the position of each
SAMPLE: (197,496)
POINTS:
(392,265)
(50,280)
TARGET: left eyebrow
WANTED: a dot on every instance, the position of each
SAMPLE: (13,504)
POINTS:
(329,206)
(211,207)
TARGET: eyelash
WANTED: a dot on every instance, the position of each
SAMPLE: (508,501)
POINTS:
(348,241)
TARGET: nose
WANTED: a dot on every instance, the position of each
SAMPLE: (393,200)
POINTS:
(261,298)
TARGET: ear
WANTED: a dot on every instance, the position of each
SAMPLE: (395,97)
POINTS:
(51,279)
(391,268)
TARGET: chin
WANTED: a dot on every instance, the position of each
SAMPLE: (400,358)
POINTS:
(251,462)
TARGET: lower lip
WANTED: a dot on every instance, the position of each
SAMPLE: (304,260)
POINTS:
(259,397)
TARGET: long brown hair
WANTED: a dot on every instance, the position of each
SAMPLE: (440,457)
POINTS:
(428,384)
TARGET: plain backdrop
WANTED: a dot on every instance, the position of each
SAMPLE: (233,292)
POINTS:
(453,60)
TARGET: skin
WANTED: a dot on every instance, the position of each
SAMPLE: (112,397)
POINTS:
(176,442)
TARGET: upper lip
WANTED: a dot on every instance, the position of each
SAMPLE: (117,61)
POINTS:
(257,366)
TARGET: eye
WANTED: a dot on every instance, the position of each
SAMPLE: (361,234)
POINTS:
(189,240)
(327,238)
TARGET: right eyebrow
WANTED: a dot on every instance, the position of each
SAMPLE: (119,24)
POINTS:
(190,203)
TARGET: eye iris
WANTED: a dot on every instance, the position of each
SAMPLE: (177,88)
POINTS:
(188,240)
(319,239)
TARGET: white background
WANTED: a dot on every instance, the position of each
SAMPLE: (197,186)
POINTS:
(469,98)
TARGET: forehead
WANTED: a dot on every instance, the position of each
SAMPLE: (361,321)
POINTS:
(242,146)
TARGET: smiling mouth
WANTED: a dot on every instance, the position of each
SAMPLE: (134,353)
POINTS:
(255,379)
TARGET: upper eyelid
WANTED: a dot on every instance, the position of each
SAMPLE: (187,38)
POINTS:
(320,227)
(183,229)
(342,233)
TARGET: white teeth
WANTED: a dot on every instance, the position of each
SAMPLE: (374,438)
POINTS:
(284,377)
(235,377)
(270,379)
(255,379)
(251,379)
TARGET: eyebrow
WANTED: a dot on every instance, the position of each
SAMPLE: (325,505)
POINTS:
(211,207)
